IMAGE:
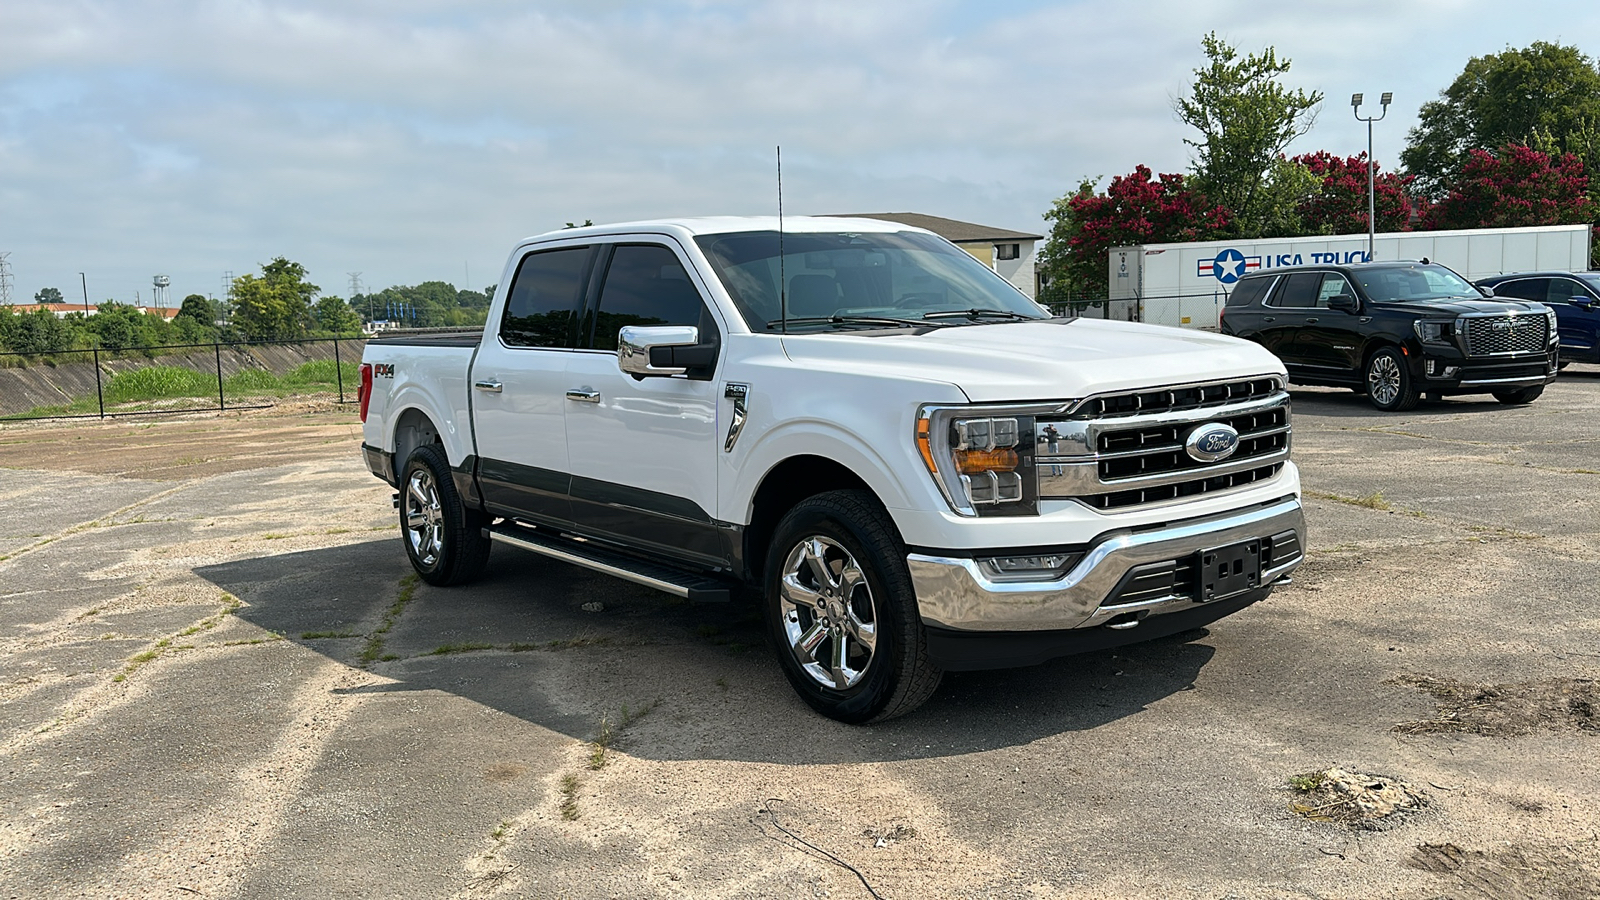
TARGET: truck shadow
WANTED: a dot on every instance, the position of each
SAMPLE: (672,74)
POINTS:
(1343,403)
(520,641)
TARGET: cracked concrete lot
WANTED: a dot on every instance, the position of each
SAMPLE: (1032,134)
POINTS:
(217,679)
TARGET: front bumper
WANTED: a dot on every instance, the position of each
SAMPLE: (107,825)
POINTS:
(955,593)
(1449,373)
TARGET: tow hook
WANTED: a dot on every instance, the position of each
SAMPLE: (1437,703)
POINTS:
(395,499)
(1127,620)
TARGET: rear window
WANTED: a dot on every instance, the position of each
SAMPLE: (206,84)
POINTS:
(1249,291)
(543,301)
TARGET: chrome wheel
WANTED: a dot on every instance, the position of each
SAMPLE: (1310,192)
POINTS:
(829,616)
(424,518)
(1383,379)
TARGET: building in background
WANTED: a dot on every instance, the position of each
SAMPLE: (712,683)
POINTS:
(1011,254)
(62,310)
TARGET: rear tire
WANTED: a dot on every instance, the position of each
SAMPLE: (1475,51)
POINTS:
(1389,383)
(842,613)
(1520,396)
(444,540)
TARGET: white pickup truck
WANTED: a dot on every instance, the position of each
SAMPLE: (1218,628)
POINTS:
(914,467)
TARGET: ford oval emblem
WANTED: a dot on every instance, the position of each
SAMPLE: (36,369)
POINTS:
(1212,442)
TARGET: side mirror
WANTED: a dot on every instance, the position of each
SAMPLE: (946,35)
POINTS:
(1344,303)
(1486,291)
(662,350)
(1582,302)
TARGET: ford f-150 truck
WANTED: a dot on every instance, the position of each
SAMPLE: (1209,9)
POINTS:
(913,466)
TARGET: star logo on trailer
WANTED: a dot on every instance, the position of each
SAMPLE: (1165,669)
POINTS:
(1228,266)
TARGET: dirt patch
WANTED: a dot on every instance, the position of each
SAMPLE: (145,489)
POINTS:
(187,446)
(1553,704)
(1355,799)
(1515,873)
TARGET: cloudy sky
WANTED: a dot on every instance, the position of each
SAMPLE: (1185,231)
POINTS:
(412,140)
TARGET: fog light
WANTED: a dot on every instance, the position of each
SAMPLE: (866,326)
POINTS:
(1019,568)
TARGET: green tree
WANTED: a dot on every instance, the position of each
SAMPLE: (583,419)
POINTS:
(1546,96)
(49,295)
(120,326)
(334,316)
(1246,118)
(199,309)
(275,306)
(38,332)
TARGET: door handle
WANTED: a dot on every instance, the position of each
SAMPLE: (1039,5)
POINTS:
(489,385)
(584,395)
(1311,321)
(1269,318)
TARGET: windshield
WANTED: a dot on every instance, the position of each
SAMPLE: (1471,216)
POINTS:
(1410,283)
(869,279)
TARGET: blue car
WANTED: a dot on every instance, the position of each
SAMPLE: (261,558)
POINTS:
(1575,296)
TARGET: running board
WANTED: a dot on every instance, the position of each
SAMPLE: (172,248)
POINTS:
(691,587)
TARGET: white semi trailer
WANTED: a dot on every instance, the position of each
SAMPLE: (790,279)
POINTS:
(1187,284)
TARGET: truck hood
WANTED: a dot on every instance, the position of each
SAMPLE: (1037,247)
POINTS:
(1055,359)
(1449,307)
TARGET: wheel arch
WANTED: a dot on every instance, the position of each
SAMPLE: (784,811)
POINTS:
(413,428)
(784,485)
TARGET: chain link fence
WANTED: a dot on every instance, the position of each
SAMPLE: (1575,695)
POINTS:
(101,383)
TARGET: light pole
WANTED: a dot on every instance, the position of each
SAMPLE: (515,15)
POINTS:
(1372,197)
(85,282)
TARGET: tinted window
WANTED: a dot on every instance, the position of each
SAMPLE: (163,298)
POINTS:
(1299,290)
(1562,290)
(1249,291)
(1524,288)
(645,285)
(543,300)
(1405,283)
(1332,286)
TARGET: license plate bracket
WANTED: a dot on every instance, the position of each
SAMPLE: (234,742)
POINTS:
(1229,571)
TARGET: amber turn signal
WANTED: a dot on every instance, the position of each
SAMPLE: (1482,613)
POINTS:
(1001,459)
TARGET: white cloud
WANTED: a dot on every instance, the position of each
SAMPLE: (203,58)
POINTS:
(411,139)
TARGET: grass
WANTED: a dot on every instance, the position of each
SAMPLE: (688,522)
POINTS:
(606,735)
(373,651)
(319,635)
(1373,500)
(144,657)
(1308,782)
(569,797)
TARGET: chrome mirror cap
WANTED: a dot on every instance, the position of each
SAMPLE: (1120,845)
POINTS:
(634,343)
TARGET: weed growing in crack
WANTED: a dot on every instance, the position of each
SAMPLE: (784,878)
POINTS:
(569,797)
(373,651)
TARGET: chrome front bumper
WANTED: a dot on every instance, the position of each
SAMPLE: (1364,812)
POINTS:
(955,593)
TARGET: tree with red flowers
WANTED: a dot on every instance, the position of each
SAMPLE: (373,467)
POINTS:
(1339,203)
(1518,186)
(1139,208)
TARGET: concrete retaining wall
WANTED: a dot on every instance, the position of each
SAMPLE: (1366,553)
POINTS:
(52,384)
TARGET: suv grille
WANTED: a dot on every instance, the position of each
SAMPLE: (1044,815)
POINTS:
(1131,447)
(1494,335)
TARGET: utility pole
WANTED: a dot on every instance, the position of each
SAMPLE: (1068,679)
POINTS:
(1372,191)
(5,279)
(85,282)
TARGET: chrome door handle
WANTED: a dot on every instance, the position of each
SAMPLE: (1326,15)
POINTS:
(584,395)
(1269,318)
(492,387)
(1311,321)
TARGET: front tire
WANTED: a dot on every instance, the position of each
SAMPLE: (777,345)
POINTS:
(1520,396)
(842,613)
(1389,383)
(443,539)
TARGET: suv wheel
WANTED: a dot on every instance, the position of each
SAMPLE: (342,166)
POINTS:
(1520,396)
(1389,384)
(841,611)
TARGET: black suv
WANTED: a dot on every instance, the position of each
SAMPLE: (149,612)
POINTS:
(1395,331)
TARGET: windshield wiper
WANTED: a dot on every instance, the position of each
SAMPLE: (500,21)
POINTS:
(976,314)
(844,320)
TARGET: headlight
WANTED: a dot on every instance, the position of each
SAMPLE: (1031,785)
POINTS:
(982,462)
(1434,331)
(1550,317)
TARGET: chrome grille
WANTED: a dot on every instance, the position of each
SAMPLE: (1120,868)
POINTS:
(1496,335)
(1194,396)
(1132,453)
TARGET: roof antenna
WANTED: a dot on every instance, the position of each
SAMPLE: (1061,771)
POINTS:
(783,287)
